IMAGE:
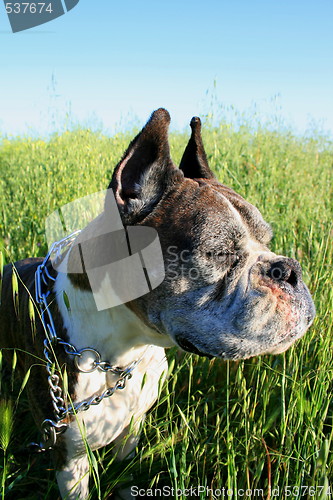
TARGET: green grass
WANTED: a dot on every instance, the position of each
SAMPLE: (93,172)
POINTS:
(265,422)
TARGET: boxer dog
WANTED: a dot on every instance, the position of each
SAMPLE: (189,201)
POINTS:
(225,294)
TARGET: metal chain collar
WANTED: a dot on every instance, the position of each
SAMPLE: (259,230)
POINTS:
(52,428)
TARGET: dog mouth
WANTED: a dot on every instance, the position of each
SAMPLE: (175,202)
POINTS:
(187,346)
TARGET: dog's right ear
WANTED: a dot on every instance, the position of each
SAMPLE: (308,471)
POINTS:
(141,176)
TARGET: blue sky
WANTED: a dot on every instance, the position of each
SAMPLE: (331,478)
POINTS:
(107,61)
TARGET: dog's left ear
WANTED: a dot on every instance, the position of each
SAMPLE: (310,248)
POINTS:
(194,162)
(142,175)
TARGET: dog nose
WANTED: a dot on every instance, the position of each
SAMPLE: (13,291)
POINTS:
(285,271)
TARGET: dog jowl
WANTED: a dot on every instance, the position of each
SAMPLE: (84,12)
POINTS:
(225,294)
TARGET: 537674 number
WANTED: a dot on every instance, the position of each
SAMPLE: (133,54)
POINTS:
(28,7)
(309,491)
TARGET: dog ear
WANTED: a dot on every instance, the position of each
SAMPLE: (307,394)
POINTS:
(141,176)
(194,162)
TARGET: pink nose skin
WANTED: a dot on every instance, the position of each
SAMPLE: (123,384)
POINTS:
(278,281)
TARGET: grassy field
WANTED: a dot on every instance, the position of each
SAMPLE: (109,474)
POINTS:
(262,425)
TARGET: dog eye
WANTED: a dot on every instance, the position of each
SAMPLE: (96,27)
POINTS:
(226,259)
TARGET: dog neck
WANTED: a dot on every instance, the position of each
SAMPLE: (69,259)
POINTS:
(116,333)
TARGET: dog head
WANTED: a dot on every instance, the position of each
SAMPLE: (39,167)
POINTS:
(225,293)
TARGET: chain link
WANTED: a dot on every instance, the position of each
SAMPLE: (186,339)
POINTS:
(52,428)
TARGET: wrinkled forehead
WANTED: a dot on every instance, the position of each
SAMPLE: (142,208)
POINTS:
(244,214)
(205,212)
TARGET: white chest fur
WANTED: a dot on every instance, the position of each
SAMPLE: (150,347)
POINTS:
(120,337)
